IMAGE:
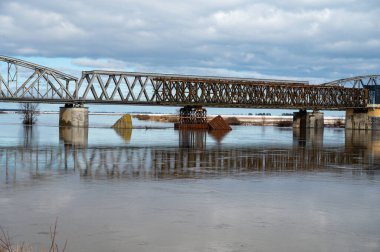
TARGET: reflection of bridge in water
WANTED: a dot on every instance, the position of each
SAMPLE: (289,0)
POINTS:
(194,161)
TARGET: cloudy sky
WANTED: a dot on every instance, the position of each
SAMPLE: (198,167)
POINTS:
(315,40)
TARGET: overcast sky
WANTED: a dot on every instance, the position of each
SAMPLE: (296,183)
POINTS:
(305,39)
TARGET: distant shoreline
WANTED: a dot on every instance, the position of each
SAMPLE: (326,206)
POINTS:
(243,120)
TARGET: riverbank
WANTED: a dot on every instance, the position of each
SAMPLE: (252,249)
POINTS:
(264,120)
(244,120)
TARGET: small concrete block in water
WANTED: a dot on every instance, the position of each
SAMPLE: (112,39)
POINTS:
(218,123)
(125,122)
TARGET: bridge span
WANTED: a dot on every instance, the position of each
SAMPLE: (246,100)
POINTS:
(22,81)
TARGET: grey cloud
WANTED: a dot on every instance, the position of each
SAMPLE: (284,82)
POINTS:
(321,39)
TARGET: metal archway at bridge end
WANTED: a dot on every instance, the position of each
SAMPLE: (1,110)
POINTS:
(368,82)
(24,81)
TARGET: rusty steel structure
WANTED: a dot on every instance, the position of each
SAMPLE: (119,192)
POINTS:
(192,115)
(29,82)
(23,81)
(258,93)
(356,82)
(369,82)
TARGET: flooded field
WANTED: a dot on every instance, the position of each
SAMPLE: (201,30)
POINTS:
(251,189)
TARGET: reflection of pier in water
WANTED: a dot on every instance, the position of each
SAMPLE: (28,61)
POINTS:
(166,162)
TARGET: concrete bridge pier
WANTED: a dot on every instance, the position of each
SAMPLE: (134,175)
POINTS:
(305,120)
(74,115)
(192,117)
(363,119)
(358,119)
(374,116)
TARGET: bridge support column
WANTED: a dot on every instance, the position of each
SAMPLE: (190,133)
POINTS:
(363,119)
(71,115)
(192,117)
(304,119)
(358,119)
(374,117)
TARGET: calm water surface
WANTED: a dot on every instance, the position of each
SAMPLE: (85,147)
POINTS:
(251,189)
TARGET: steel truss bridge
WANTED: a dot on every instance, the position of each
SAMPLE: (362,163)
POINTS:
(22,81)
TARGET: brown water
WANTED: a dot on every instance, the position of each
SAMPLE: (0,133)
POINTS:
(252,189)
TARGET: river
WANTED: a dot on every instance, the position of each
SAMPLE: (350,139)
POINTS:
(251,189)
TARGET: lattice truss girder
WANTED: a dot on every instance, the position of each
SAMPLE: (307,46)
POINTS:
(24,81)
(255,94)
(356,82)
(116,87)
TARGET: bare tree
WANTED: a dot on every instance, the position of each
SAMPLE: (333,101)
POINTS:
(29,113)
(6,245)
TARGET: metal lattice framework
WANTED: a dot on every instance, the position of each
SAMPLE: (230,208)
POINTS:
(27,82)
(192,115)
(177,90)
(368,82)
(356,82)
(116,87)
(258,93)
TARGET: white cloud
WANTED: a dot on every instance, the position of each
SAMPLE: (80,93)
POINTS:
(26,51)
(292,38)
(106,64)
